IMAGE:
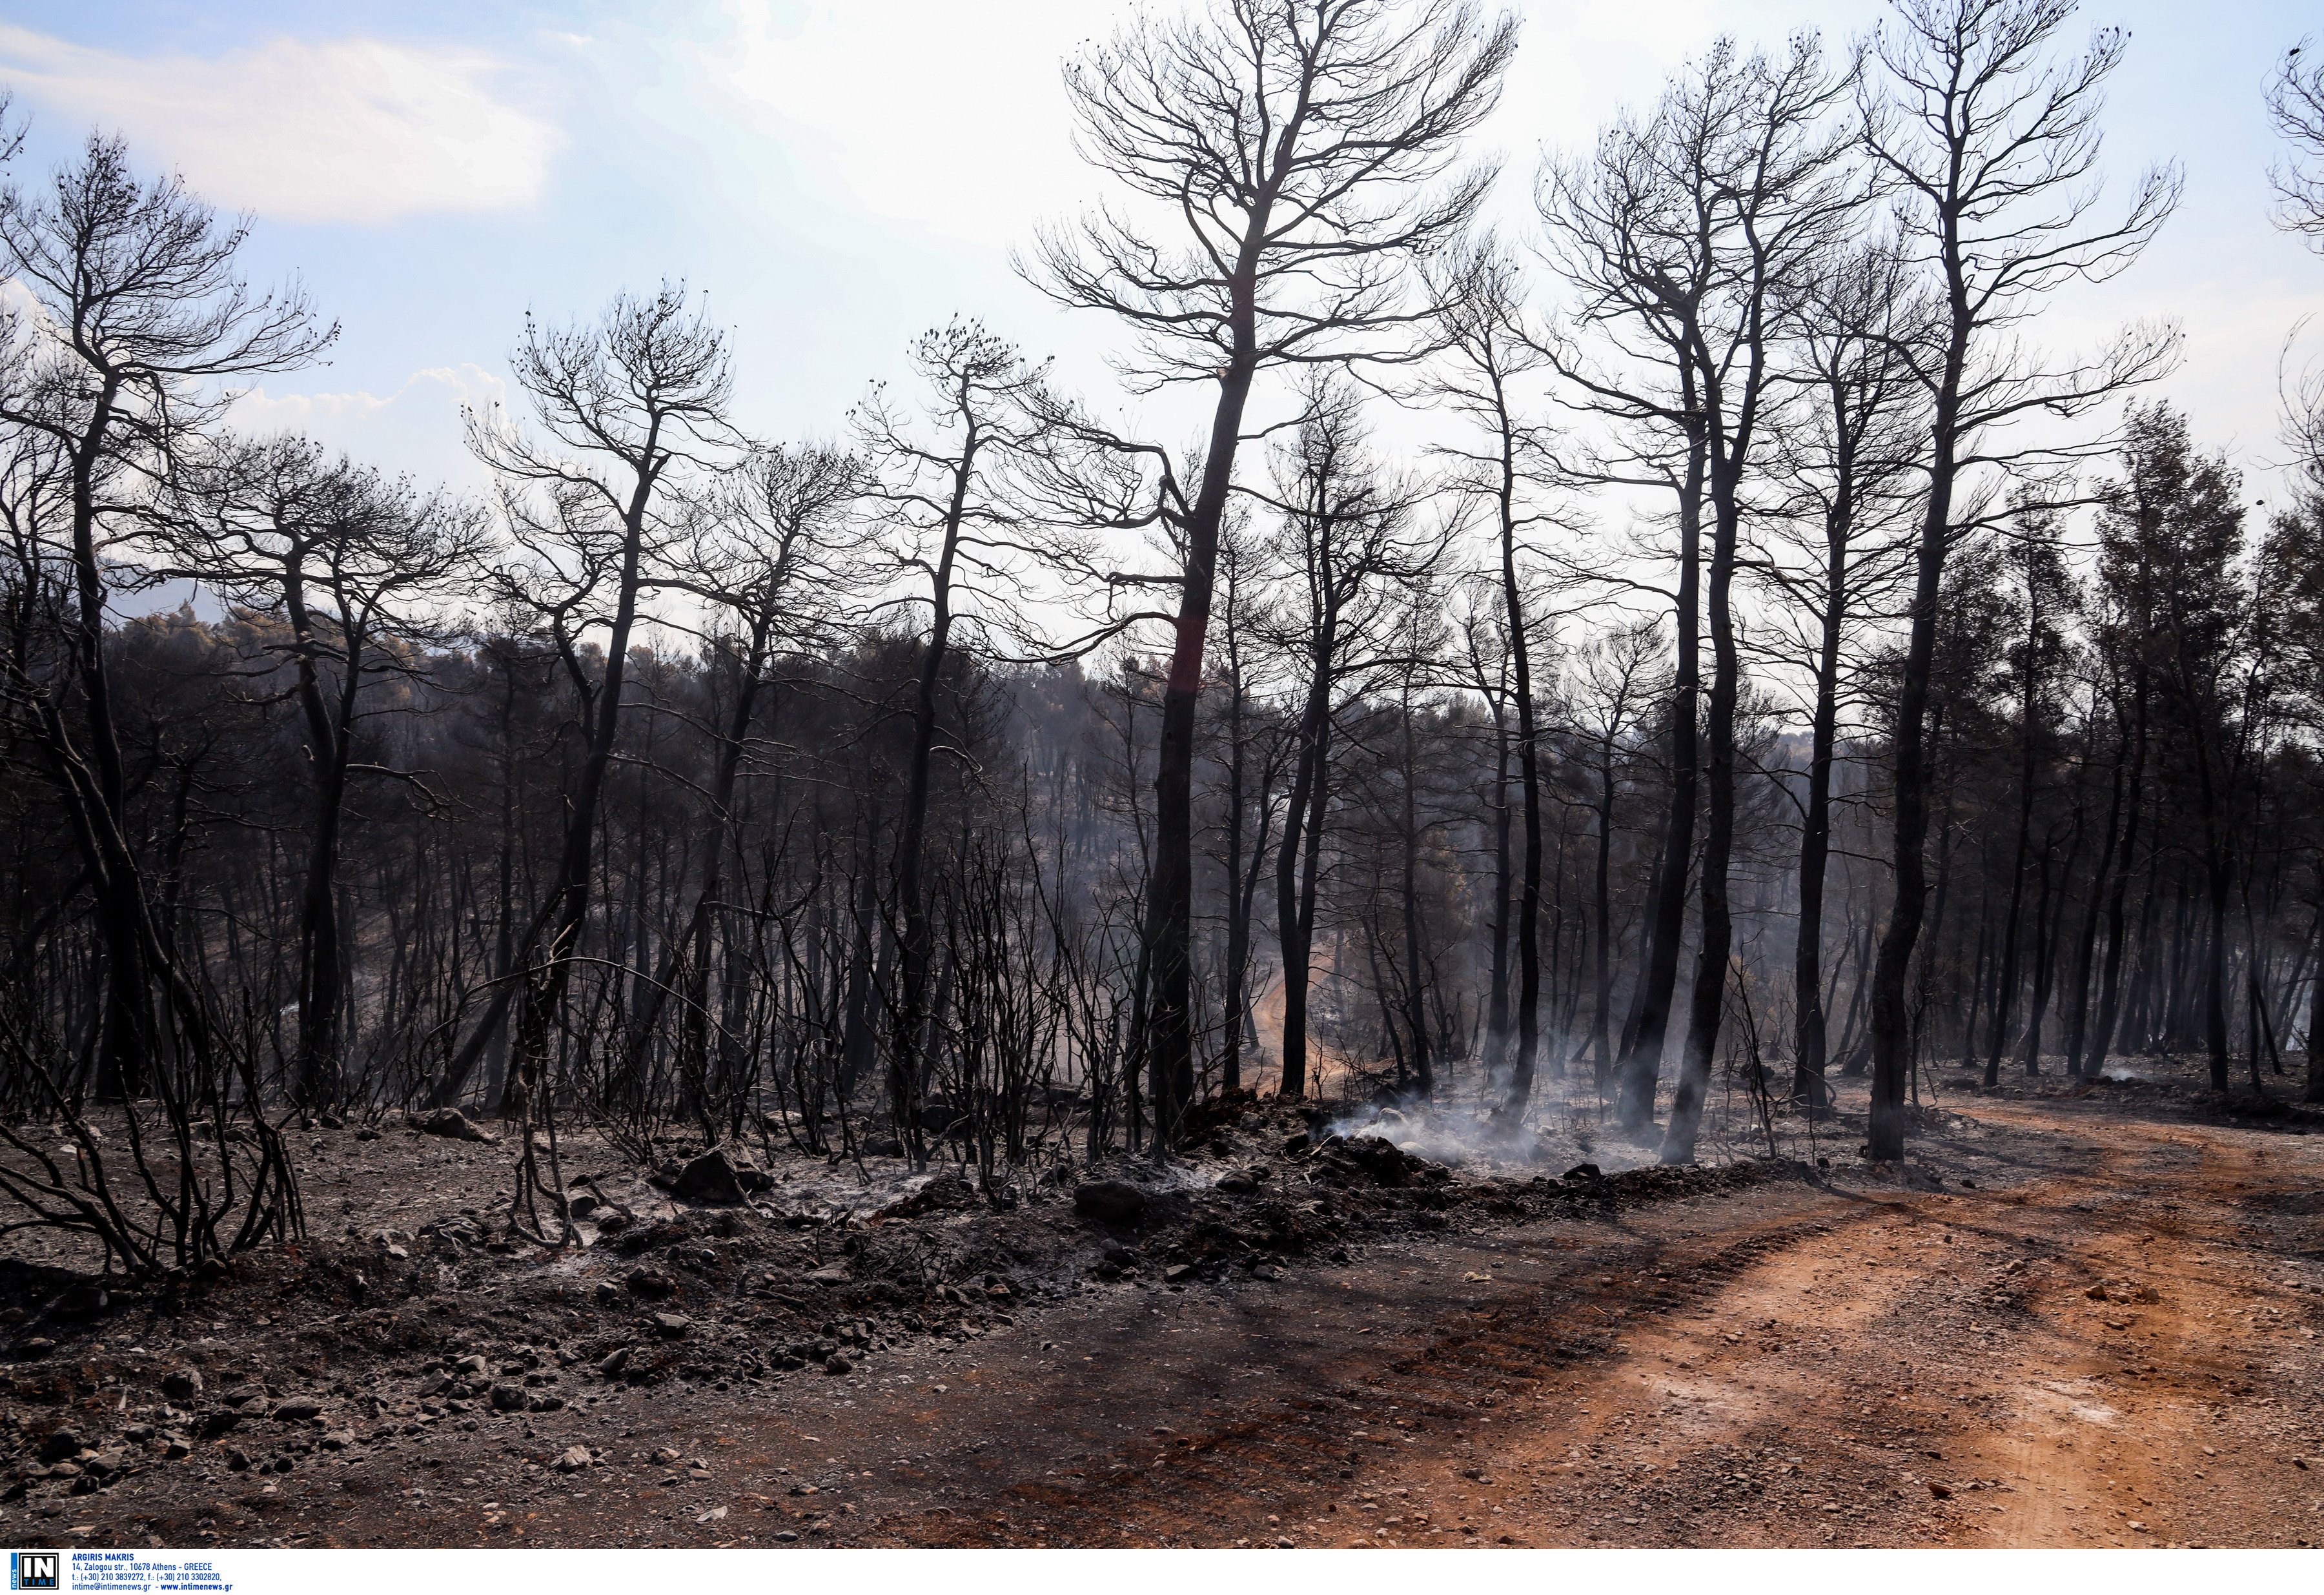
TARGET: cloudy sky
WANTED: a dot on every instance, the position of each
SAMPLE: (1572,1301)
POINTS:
(838,176)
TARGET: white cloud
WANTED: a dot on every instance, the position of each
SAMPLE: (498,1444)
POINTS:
(955,118)
(416,428)
(947,116)
(354,130)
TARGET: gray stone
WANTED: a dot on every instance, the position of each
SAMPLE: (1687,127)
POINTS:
(709,1177)
(671,1325)
(1110,1202)
(181,1384)
(453,1125)
(614,1362)
(83,1301)
(574,1459)
(59,1446)
(722,1175)
(297,1410)
(508,1397)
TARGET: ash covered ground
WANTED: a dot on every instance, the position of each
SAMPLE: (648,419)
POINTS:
(415,1346)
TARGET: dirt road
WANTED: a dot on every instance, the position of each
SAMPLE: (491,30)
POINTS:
(2124,1356)
(2122,1353)
(2119,1346)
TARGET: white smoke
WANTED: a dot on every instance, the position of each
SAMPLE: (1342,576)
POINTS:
(1467,1137)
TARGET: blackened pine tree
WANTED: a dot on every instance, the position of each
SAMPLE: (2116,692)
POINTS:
(1992,143)
(1283,158)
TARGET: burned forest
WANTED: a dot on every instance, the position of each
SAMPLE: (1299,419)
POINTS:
(1624,847)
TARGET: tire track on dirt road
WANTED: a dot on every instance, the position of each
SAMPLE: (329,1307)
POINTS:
(1892,1369)
(1781,1365)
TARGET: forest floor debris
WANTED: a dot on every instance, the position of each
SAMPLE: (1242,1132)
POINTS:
(2093,1320)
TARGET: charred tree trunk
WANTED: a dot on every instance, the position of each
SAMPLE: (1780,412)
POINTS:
(2078,1004)
(1519,1096)
(1642,1046)
(2102,1034)
(1892,968)
(1496,1003)
(1602,904)
(1298,863)
(1708,998)
(1416,990)
(1808,1085)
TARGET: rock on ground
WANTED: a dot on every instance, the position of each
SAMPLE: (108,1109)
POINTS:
(1110,1202)
(453,1125)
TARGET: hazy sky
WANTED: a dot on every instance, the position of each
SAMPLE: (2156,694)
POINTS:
(839,176)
